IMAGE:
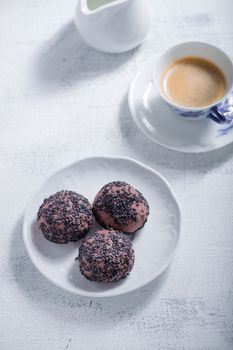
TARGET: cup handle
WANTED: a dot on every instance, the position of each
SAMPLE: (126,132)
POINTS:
(217,116)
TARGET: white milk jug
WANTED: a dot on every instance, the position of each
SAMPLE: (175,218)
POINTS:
(113,25)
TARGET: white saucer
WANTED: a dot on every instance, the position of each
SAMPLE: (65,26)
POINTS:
(156,120)
(154,245)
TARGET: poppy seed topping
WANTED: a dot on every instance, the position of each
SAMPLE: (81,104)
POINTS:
(65,216)
(106,256)
(120,206)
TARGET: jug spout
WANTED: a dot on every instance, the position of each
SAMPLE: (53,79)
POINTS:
(92,6)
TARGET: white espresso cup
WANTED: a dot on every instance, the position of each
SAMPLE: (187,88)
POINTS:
(206,51)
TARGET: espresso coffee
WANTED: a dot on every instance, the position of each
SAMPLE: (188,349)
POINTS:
(193,82)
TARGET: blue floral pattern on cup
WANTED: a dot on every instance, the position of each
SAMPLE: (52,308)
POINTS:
(221,114)
(190,114)
(226,109)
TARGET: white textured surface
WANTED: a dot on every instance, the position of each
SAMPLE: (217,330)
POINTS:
(60,101)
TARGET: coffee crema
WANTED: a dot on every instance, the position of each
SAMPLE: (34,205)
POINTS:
(193,82)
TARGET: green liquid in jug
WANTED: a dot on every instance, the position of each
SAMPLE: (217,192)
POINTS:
(95,4)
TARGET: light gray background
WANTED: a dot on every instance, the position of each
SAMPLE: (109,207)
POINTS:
(60,101)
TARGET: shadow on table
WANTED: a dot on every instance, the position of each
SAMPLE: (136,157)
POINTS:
(147,151)
(51,299)
(65,59)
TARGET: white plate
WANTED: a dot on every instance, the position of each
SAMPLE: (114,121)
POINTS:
(154,245)
(156,120)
